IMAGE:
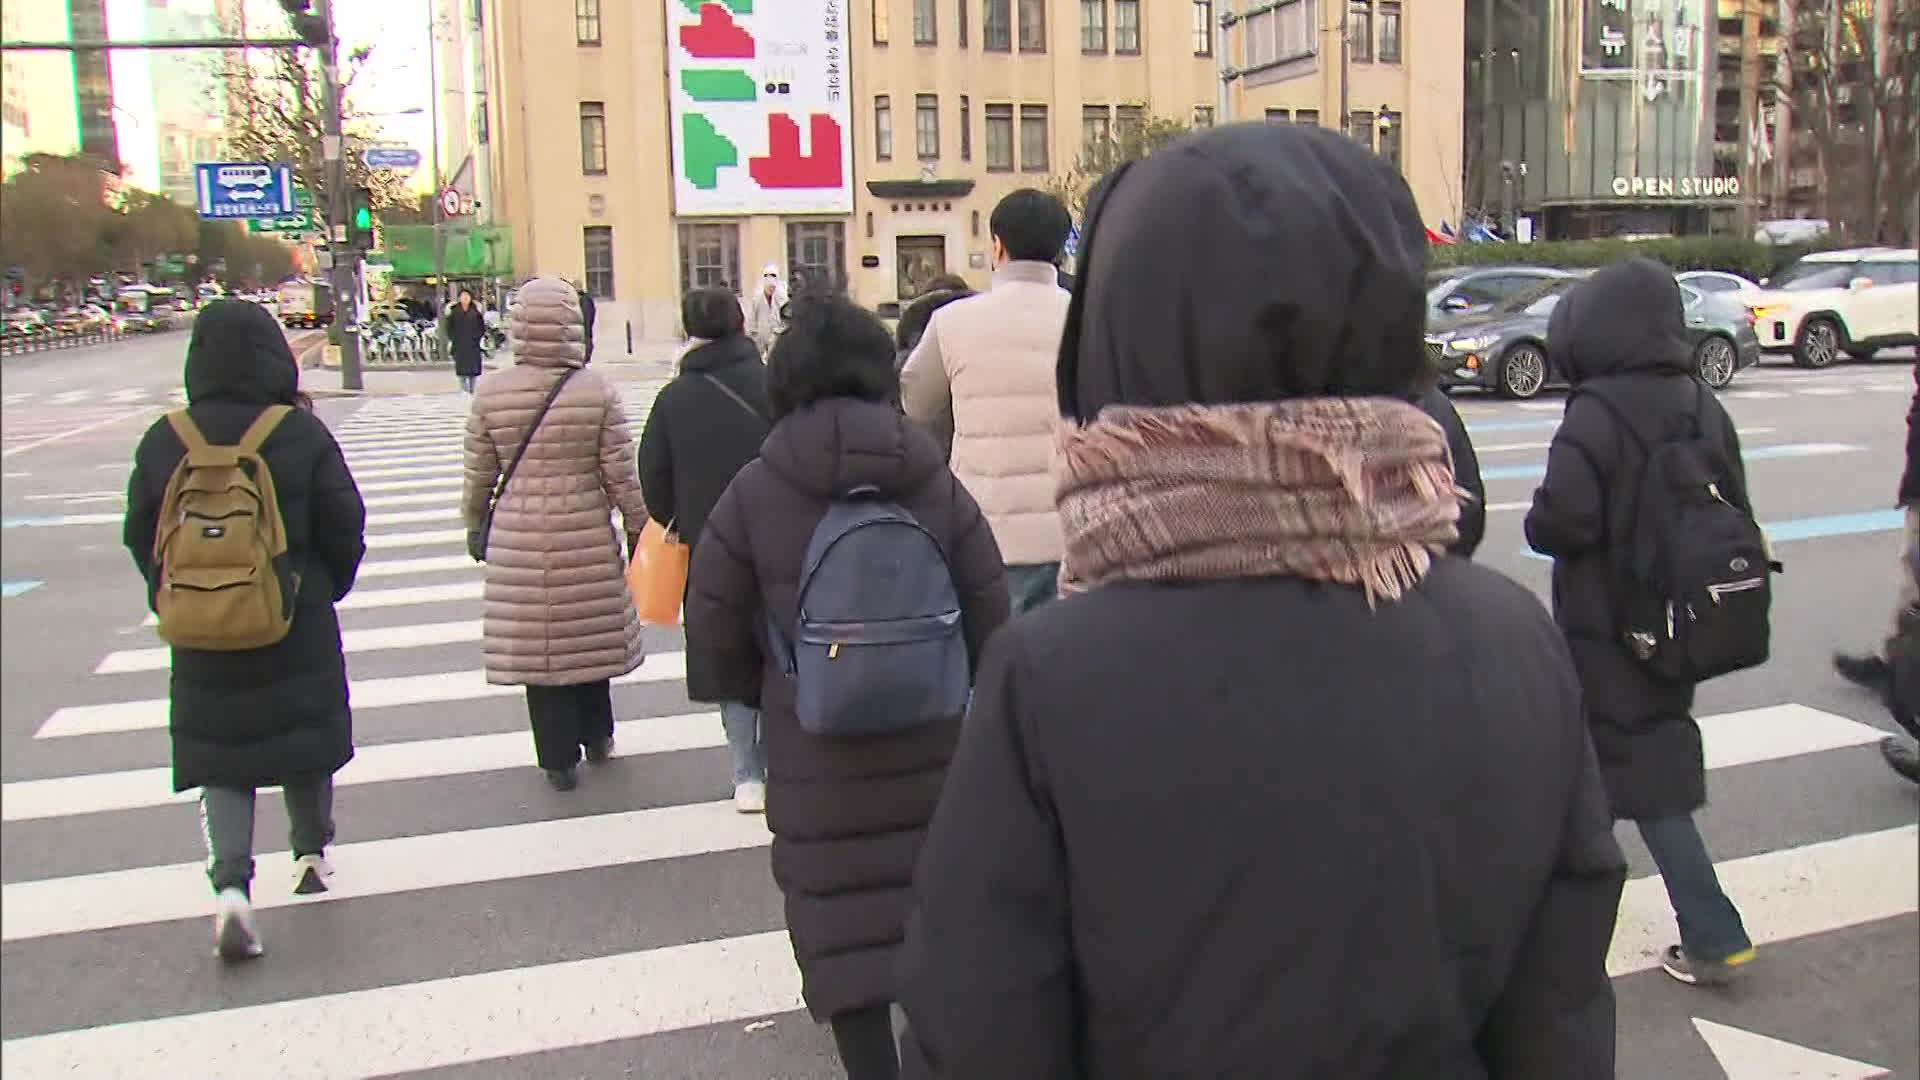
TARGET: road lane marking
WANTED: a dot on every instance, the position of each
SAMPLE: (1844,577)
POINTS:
(374,639)
(426,538)
(1499,448)
(11,589)
(70,433)
(93,793)
(1760,453)
(444,686)
(369,599)
(451,477)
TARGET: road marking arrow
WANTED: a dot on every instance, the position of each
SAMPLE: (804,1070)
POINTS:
(1747,1056)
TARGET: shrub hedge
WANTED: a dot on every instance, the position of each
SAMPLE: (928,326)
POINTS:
(1730,253)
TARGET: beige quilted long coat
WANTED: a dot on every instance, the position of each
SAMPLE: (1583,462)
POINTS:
(557,608)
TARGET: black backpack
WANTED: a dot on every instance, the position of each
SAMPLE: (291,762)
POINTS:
(1692,571)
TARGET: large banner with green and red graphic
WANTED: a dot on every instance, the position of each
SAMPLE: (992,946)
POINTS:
(758,98)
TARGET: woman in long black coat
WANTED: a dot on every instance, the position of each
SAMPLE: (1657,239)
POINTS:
(1620,337)
(847,815)
(466,328)
(276,715)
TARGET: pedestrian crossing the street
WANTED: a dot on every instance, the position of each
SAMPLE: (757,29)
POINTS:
(479,919)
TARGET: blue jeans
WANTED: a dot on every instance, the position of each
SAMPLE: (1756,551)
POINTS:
(1030,586)
(742,725)
(1710,926)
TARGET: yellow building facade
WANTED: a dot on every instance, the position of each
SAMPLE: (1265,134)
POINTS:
(644,149)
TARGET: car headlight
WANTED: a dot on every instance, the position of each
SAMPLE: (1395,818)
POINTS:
(1473,343)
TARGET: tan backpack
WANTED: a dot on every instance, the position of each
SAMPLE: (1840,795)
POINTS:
(225,580)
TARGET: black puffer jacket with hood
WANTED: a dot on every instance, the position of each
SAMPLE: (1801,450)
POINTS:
(1259,828)
(258,717)
(1621,338)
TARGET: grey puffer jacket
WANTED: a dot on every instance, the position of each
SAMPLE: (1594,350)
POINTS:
(557,608)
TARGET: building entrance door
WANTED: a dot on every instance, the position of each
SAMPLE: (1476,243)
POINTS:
(917,260)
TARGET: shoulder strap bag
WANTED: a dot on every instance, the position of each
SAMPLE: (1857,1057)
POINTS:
(477,539)
(735,395)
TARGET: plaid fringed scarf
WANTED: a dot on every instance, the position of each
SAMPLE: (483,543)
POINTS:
(1355,491)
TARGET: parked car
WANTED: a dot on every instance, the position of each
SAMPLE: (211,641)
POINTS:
(24,322)
(1855,302)
(1505,349)
(1718,281)
(1466,292)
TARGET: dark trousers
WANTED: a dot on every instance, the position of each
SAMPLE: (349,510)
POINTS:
(226,822)
(566,718)
(865,1040)
(1710,926)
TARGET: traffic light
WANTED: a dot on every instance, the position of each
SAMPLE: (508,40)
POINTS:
(360,219)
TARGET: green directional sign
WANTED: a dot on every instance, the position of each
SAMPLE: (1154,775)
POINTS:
(285,223)
(303,198)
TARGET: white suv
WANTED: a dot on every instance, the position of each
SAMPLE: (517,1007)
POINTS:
(1830,302)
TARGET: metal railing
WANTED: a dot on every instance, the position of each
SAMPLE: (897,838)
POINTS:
(48,340)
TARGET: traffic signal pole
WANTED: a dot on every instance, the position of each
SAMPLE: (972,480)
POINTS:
(346,260)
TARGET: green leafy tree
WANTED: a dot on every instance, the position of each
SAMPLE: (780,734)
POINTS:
(54,220)
(1127,142)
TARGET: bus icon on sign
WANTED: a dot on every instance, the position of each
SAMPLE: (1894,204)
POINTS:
(248,182)
(243,189)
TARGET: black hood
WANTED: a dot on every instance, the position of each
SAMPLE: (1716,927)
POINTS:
(1253,262)
(1628,317)
(720,353)
(836,444)
(239,353)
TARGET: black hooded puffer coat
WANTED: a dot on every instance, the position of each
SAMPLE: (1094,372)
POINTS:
(1621,335)
(258,717)
(1260,828)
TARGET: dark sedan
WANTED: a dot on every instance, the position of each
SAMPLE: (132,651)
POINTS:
(1505,348)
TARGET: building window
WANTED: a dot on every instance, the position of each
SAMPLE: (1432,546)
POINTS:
(1033,25)
(1280,33)
(1390,124)
(1203,116)
(1278,116)
(996,21)
(1129,122)
(1203,27)
(961,10)
(966,128)
(1126,26)
(926,22)
(1033,138)
(926,127)
(1307,117)
(586,21)
(1096,128)
(882,128)
(817,250)
(709,257)
(999,138)
(882,21)
(1093,26)
(1360,126)
(1360,31)
(599,239)
(1389,32)
(593,138)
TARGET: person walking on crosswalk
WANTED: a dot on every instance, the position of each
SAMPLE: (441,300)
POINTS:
(704,425)
(548,461)
(243,719)
(1621,338)
(1278,789)
(847,811)
(1871,671)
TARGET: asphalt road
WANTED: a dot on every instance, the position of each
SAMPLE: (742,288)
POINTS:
(484,926)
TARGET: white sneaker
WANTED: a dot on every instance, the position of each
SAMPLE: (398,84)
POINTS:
(310,874)
(235,937)
(750,796)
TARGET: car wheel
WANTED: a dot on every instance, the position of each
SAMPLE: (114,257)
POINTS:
(1819,343)
(1714,360)
(1523,371)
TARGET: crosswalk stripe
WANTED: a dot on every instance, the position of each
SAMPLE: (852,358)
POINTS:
(373,639)
(421,498)
(444,686)
(424,538)
(449,478)
(431,1024)
(407,596)
(443,468)
(150,894)
(93,793)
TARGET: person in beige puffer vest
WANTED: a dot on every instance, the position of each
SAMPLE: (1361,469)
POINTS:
(558,618)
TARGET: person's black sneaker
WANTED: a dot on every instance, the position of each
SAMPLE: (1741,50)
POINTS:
(563,779)
(1686,969)
(1868,672)
(1902,757)
(600,750)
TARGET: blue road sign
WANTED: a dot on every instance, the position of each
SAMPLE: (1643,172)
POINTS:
(235,190)
(391,157)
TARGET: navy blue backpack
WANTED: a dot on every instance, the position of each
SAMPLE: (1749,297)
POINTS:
(877,647)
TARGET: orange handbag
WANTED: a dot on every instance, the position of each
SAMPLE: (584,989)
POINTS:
(657,576)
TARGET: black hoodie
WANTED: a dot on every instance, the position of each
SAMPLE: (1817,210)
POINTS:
(1261,829)
(1620,337)
(254,718)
